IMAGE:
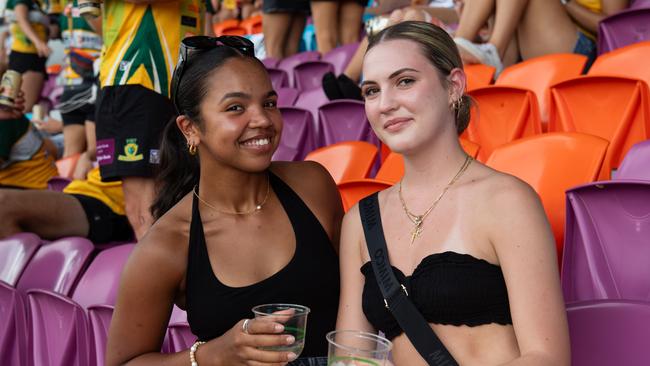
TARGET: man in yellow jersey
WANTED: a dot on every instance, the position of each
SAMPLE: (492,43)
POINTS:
(141,43)
(87,208)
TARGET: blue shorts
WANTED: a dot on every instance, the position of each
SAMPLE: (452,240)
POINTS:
(586,46)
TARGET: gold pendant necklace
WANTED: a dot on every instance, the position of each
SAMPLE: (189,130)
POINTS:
(258,207)
(418,220)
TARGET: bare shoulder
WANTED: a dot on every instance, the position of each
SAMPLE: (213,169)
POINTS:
(310,180)
(501,191)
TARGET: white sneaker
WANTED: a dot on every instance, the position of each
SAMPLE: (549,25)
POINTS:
(485,52)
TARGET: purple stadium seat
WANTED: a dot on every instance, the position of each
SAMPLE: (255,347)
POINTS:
(309,75)
(180,336)
(270,62)
(340,56)
(15,253)
(624,28)
(176,321)
(99,317)
(289,63)
(58,183)
(287,96)
(607,241)
(311,100)
(13,348)
(344,120)
(56,266)
(58,326)
(635,4)
(297,135)
(609,332)
(636,163)
(279,78)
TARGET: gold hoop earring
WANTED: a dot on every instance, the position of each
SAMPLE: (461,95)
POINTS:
(191,148)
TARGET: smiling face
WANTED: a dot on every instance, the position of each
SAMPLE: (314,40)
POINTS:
(240,121)
(407,99)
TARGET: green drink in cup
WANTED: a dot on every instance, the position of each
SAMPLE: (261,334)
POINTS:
(294,319)
(356,348)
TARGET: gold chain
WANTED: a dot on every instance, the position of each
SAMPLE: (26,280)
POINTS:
(258,207)
(418,220)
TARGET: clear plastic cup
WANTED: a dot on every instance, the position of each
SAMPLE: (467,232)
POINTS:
(356,348)
(294,318)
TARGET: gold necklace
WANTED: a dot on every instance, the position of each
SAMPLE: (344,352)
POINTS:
(258,207)
(418,220)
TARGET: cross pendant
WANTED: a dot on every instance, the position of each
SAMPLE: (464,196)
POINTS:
(417,230)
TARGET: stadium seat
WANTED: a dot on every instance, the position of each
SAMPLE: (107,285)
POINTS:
(552,163)
(539,73)
(15,252)
(478,76)
(607,242)
(636,164)
(279,78)
(289,63)
(502,114)
(609,332)
(309,75)
(629,61)
(345,161)
(287,96)
(623,28)
(13,347)
(252,25)
(344,120)
(614,108)
(297,135)
(340,56)
(228,27)
(353,191)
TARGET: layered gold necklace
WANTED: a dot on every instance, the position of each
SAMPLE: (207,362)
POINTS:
(258,207)
(418,220)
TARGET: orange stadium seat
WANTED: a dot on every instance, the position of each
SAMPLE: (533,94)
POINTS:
(501,114)
(629,61)
(614,108)
(349,160)
(252,25)
(353,191)
(539,73)
(559,161)
(478,75)
(228,27)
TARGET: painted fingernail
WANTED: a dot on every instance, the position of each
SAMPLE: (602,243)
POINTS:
(291,356)
(290,339)
(279,327)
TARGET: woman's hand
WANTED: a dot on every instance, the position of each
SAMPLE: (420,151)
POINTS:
(240,345)
(17,110)
(49,125)
(42,49)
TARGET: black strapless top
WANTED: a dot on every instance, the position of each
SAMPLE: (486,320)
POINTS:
(448,288)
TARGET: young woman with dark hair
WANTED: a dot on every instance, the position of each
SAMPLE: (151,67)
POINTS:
(232,229)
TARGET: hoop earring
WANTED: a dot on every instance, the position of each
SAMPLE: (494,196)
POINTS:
(191,148)
(457,104)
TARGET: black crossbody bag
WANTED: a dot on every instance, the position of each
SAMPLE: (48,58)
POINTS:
(396,299)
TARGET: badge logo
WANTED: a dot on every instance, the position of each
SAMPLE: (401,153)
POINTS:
(130,151)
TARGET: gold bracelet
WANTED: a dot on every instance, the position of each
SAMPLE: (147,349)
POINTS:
(193,349)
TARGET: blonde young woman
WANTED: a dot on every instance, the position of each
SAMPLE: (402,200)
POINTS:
(471,245)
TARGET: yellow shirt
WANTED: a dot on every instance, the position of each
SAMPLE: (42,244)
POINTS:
(109,193)
(594,5)
(37,19)
(141,41)
(31,174)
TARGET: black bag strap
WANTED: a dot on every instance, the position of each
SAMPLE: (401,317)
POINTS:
(396,299)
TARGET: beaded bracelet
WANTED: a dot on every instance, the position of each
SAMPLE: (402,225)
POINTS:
(193,349)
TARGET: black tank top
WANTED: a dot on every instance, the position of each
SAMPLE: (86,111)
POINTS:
(311,278)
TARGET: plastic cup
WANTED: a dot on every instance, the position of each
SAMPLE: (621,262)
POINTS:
(294,319)
(356,348)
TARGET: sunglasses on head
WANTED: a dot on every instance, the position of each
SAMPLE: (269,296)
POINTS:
(194,45)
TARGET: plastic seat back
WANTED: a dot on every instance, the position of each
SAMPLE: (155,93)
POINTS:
(289,63)
(180,336)
(15,253)
(57,266)
(614,108)
(12,327)
(100,317)
(607,244)
(344,120)
(623,28)
(636,164)
(252,25)
(58,183)
(309,75)
(552,163)
(287,96)
(611,332)
(355,190)
(478,76)
(539,73)
(501,115)
(228,27)
(297,135)
(311,100)
(345,161)
(279,78)
(340,56)
(629,61)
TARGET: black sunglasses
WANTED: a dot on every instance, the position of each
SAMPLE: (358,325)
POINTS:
(196,44)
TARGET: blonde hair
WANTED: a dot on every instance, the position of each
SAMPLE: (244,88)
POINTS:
(441,51)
